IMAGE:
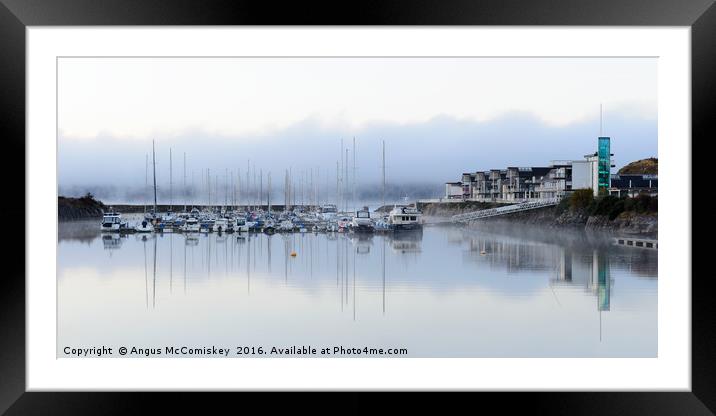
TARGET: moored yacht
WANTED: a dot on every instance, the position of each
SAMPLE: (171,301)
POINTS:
(361,222)
(286,225)
(328,211)
(191,225)
(205,225)
(145,226)
(343,223)
(240,225)
(112,222)
(220,225)
(405,218)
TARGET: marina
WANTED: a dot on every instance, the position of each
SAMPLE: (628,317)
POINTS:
(289,203)
(477,292)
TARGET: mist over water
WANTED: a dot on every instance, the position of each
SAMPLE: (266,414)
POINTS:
(420,157)
(491,291)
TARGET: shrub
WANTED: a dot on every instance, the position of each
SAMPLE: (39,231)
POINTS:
(604,205)
(629,204)
(654,204)
(563,205)
(616,209)
(580,199)
(643,202)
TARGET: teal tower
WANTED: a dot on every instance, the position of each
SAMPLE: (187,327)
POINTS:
(604,163)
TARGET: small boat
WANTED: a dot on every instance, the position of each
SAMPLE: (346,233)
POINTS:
(144,227)
(220,225)
(112,222)
(191,225)
(328,212)
(229,225)
(343,224)
(286,225)
(405,218)
(240,225)
(382,225)
(362,223)
(205,226)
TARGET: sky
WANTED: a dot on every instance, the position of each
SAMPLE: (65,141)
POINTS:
(438,116)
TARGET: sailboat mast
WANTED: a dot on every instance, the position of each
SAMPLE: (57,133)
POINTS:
(185,192)
(171,200)
(354,173)
(146,181)
(248,184)
(154,169)
(383,172)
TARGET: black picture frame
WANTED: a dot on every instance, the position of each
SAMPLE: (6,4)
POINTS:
(16,15)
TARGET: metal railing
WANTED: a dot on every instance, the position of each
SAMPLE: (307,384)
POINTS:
(493,212)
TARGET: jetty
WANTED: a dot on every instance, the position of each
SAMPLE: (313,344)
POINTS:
(637,242)
(508,209)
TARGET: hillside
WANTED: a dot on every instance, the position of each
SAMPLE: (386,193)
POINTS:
(644,166)
(79,208)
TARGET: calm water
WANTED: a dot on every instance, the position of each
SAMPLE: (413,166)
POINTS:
(445,292)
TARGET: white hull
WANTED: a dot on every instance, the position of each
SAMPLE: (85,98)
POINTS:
(144,229)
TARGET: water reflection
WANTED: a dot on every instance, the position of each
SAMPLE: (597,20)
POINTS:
(440,292)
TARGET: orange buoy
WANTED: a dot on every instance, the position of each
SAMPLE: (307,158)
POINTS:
(293,254)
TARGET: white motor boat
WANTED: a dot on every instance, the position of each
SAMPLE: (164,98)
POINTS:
(240,225)
(112,222)
(286,225)
(328,212)
(144,227)
(206,225)
(191,225)
(220,225)
(405,218)
(362,222)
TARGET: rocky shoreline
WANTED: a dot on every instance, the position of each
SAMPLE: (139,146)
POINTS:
(86,207)
(626,223)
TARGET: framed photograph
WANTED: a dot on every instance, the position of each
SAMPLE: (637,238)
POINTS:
(423,197)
